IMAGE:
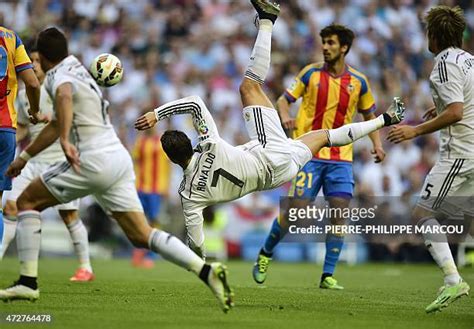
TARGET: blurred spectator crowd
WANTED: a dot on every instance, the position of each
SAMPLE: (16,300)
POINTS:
(175,48)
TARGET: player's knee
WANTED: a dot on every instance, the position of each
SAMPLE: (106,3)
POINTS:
(69,216)
(420,215)
(25,201)
(248,88)
(10,208)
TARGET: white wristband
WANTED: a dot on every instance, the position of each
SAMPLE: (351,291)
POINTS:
(25,156)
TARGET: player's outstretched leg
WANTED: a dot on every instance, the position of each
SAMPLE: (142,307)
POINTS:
(347,134)
(266,9)
(251,91)
(214,275)
(172,249)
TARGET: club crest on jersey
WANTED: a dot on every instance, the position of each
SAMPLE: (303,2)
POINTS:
(293,85)
(350,88)
(203,129)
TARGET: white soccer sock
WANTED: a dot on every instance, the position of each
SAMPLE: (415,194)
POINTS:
(80,240)
(28,241)
(438,247)
(175,251)
(260,58)
(348,134)
(9,229)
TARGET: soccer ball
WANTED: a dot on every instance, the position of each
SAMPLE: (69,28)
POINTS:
(107,70)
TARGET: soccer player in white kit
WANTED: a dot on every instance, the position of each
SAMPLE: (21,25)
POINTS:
(449,187)
(216,171)
(98,164)
(39,164)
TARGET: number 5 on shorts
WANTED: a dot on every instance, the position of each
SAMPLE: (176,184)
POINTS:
(428,191)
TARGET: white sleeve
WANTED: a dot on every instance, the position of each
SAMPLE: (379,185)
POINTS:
(193,221)
(194,105)
(58,79)
(449,83)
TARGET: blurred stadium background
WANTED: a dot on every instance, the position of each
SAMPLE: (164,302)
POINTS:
(175,48)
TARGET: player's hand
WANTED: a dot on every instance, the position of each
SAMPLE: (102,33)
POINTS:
(430,114)
(15,168)
(72,155)
(379,154)
(401,133)
(288,122)
(38,117)
(146,121)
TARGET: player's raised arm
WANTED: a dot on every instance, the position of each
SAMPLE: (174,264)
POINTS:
(194,105)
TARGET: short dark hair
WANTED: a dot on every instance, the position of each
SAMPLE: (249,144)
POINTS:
(344,34)
(177,146)
(52,44)
(446,25)
(30,46)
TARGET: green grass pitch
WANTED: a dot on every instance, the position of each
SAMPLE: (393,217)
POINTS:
(376,296)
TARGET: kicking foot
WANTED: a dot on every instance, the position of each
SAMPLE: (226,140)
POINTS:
(266,9)
(395,113)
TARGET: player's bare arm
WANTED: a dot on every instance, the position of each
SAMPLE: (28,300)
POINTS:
(377,150)
(452,114)
(63,105)
(283,107)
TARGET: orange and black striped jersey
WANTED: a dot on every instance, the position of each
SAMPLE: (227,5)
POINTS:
(329,102)
(13,59)
(152,166)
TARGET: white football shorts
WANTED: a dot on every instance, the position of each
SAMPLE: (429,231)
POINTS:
(108,176)
(284,155)
(31,171)
(449,187)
